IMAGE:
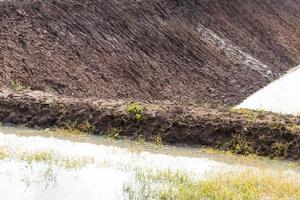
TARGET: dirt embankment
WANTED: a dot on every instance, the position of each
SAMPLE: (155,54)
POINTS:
(243,131)
(198,50)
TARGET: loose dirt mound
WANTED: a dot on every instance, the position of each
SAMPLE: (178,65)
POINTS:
(204,50)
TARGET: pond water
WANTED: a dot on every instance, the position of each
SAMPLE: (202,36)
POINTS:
(281,96)
(38,164)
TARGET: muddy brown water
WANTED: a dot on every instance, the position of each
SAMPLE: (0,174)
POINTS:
(172,150)
(43,165)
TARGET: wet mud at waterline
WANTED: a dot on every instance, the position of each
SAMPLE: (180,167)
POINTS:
(240,131)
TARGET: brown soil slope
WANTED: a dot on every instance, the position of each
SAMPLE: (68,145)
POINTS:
(203,50)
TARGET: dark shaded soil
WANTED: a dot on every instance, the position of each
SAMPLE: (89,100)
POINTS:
(240,131)
(195,50)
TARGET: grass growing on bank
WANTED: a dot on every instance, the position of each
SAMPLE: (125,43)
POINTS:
(137,110)
(16,86)
(247,185)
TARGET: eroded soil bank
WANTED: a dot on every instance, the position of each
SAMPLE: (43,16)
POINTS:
(189,50)
(240,131)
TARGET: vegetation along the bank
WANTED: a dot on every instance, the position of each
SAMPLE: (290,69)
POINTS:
(239,131)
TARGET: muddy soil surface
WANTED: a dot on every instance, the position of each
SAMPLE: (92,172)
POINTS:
(196,50)
(240,131)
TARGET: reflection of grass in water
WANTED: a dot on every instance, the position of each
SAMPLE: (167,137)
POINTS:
(167,185)
(67,132)
(48,157)
(3,153)
(53,159)
(37,157)
(47,175)
(249,185)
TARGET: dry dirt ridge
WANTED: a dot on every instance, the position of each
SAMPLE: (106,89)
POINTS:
(243,131)
(196,50)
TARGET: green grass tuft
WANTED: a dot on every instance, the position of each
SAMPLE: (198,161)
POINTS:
(136,110)
(16,86)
